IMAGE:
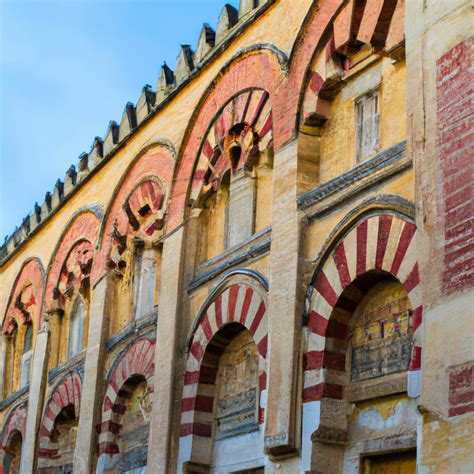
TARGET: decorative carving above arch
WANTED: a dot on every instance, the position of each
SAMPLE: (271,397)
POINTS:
(242,129)
(26,298)
(71,263)
(137,210)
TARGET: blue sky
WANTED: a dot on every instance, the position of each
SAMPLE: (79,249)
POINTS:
(67,68)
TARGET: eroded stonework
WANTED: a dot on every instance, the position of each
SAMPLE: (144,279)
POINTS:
(266,266)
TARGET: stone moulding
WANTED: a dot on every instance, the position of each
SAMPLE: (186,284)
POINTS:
(254,247)
(114,142)
(139,328)
(14,396)
(382,166)
(76,364)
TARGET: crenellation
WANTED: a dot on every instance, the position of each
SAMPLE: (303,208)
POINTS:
(58,194)
(97,152)
(184,63)
(165,83)
(145,103)
(26,225)
(246,6)
(70,180)
(227,20)
(206,41)
(128,122)
(111,137)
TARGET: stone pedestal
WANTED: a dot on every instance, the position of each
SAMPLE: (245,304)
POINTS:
(92,386)
(35,401)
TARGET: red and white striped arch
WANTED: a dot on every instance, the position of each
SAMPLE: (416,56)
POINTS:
(67,393)
(238,303)
(16,423)
(381,242)
(253,110)
(138,360)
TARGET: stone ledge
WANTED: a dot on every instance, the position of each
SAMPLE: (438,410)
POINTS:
(14,397)
(76,363)
(382,386)
(132,328)
(254,247)
(346,185)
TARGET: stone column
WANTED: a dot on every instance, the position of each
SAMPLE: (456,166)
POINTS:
(160,445)
(35,399)
(3,358)
(92,385)
(285,309)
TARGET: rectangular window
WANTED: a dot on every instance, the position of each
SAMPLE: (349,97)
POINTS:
(367,125)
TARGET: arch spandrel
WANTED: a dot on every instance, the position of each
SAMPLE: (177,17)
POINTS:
(146,181)
(83,228)
(258,69)
(32,279)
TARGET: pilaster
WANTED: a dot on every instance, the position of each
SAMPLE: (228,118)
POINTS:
(285,300)
(160,445)
(3,358)
(35,399)
(92,385)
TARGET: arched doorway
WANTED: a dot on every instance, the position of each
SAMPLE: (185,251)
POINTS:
(58,429)
(12,456)
(126,410)
(224,396)
(362,361)
(12,439)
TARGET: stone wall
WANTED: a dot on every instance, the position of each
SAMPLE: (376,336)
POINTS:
(258,297)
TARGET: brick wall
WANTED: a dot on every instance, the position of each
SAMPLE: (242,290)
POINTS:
(455,91)
(461,389)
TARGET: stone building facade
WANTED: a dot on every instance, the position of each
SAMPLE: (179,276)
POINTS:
(266,266)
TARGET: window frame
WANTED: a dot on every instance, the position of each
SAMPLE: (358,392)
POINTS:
(362,100)
(75,324)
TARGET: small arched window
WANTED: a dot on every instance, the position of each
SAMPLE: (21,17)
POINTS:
(26,356)
(76,327)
